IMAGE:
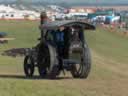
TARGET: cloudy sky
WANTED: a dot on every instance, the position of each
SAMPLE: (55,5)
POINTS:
(78,1)
(93,1)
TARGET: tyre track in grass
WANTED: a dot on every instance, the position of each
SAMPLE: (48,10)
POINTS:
(112,65)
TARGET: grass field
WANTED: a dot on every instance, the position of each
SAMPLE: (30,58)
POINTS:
(108,77)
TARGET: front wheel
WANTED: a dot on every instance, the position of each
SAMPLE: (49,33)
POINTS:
(82,69)
(28,66)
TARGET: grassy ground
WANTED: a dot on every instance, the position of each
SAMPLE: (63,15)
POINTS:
(108,77)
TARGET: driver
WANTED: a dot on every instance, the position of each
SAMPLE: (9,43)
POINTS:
(59,37)
(59,40)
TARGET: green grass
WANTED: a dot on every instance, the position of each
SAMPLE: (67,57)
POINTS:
(108,77)
(109,44)
(25,33)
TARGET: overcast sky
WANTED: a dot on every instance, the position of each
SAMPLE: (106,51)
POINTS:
(94,1)
(78,1)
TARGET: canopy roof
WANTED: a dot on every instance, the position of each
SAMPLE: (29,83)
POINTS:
(57,24)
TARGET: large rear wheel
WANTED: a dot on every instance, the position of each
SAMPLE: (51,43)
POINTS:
(48,63)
